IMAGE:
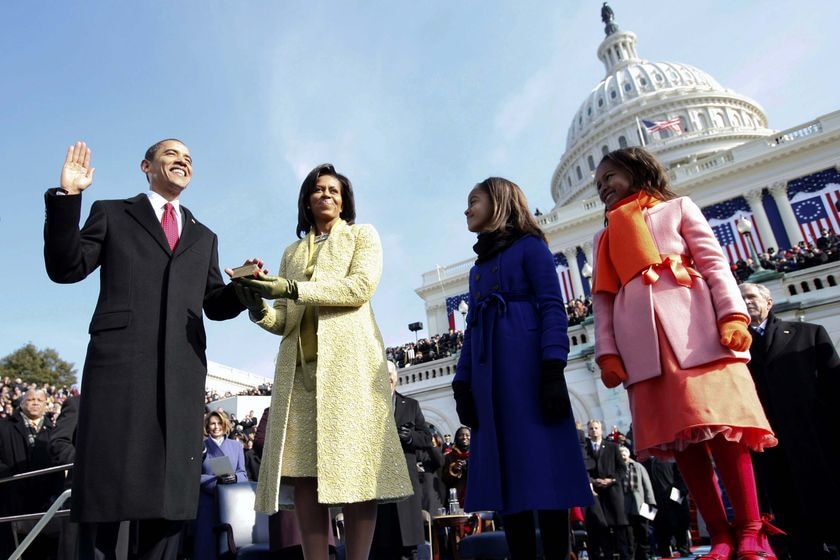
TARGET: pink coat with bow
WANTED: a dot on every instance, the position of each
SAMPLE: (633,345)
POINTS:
(627,323)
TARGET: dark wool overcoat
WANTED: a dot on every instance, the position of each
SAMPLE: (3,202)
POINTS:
(139,438)
(796,371)
(409,511)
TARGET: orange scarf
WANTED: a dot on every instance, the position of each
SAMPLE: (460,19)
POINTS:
(626,247)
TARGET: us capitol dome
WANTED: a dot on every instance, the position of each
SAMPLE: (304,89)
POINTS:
(705,117)
(716,144)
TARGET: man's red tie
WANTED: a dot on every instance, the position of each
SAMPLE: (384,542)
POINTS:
(170,225)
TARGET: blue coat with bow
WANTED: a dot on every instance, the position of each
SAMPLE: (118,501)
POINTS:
(516,320)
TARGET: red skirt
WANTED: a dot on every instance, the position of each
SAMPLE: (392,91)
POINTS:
(681,407)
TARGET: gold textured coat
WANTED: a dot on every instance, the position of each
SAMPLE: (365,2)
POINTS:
(359,456)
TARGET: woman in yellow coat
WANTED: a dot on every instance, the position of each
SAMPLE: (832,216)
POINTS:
(331,433)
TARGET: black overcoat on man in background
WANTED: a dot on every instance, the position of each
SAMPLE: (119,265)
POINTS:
(606,464)
(405,529)
(796,371)
(23,451)
(139,438)
(672,517)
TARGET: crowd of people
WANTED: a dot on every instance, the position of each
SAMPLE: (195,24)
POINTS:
(443,345)
(805,254)
(13,390)
(425,350)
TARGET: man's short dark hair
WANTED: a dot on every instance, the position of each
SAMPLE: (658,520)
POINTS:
(153,149)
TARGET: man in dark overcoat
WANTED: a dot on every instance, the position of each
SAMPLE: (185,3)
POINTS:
(796,371)
(399,526)
(605,476)
(138,443)
(24,447)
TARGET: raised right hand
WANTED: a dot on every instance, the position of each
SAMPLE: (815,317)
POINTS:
(76,174)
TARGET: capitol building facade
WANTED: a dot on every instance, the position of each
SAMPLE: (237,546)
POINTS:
(720,150)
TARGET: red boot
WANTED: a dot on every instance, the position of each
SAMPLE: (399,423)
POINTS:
(696,469)
(735,467)
(723,544)
(758,533)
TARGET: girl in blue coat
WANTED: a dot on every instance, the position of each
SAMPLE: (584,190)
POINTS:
(509,384)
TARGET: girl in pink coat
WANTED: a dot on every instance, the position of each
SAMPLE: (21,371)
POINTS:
(671,325)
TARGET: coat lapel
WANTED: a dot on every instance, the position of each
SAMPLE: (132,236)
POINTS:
(141,210)
(189,232)
(778,336)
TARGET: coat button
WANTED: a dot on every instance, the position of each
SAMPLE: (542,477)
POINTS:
(477,295)
(495,269)
(495,287)
(477,277)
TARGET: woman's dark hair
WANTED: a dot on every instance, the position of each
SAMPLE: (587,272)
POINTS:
(348,203)
(645,171)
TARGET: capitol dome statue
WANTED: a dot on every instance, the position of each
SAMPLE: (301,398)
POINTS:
(675,110)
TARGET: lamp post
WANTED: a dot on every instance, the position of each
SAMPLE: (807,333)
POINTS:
(463,308)
(744,227)
(586,271)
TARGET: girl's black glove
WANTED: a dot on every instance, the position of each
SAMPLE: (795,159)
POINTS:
(464,404)
(554,396)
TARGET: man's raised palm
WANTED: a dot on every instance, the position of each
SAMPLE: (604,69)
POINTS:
(77,174)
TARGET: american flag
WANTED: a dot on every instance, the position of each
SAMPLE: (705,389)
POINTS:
(562,267)
(452,304)
(671,124)
(814,201)
(723,219)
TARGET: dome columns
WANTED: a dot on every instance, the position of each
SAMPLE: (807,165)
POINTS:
(759,217)
(778,191)
(574,271)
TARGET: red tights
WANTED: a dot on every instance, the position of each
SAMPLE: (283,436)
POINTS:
(734,465)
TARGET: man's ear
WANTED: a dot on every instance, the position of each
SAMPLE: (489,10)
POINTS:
(145,166)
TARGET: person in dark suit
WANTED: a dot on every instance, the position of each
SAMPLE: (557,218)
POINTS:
(607,469)
(399,526)
(796,371)
(145,364)
(672,517)
(24,447)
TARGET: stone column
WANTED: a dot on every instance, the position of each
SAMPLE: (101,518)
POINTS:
(779,193)
(587,252)
(574,271)
(759,218)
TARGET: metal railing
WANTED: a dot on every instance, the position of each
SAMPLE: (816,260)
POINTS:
(43,518)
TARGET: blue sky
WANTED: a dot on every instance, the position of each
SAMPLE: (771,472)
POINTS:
(414,101)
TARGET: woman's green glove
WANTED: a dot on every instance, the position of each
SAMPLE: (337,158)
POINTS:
(252,301)
(271,287)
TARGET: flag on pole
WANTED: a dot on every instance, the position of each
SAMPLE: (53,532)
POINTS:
(674,125)
(452,304)
(565,277)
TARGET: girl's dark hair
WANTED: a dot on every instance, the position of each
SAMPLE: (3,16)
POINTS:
(348,203)
(645,171)
(509,209)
